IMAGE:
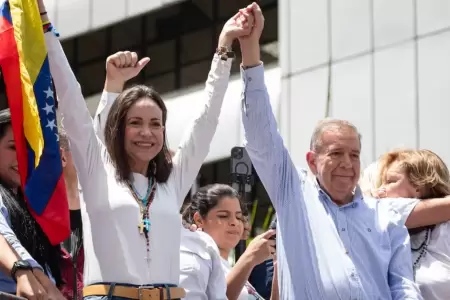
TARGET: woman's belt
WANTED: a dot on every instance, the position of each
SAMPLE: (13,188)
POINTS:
(146,292)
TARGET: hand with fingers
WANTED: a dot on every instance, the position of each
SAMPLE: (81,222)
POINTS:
(121,67)
(237,26)
(52,291)
(191,227)
(380,193)
(29,287)
(250,43)
(261,248)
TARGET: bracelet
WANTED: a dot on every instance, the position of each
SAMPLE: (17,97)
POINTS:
(225,52)
(43,13)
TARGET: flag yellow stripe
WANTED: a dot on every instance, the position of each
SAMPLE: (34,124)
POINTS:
(31,48)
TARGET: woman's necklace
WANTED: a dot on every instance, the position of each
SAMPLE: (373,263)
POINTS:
(422,249)
(144,207)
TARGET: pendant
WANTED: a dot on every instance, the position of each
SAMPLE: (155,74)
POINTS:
(144,226)
(141,227)
(147,225)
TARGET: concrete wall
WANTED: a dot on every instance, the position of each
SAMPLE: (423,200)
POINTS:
(390,73)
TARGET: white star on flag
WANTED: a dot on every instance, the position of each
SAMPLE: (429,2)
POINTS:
(49,92)
(57,137)
(48,108)
(50,124)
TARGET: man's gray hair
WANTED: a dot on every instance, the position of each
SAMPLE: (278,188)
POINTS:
(329,124)
(63,140)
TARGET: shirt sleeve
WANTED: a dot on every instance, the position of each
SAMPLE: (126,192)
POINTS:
(195,144)
(263,142)
(401,206)
(400,271)
(104,106)
(203,279)
(87,151)
(11,238)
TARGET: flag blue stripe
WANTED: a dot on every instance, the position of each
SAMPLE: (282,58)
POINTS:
(5,12)
(42,182)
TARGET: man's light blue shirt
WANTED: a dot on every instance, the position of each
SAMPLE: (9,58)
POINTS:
(359,251)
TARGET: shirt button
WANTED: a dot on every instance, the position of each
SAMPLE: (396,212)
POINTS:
(343,229)
(249,79)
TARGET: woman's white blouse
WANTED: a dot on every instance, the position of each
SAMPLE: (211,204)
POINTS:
(433,270)
(115,251)
(201,273)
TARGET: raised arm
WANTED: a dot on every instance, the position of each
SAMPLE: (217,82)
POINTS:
(194,147)
(77,120)
(263,142)
(120,67)
(400,272)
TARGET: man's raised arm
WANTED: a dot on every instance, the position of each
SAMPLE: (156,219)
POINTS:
(263,142)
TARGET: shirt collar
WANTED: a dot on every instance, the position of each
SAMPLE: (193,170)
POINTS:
(357,195)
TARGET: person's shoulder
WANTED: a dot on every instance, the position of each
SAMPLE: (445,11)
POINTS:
(3,209)
(382,212)
(198,242)
(371,201)
(399,208)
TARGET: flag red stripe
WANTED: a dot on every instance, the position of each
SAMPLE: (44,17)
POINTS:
(11,75)
(56,214)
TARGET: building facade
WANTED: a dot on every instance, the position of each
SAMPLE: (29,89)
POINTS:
(384,65)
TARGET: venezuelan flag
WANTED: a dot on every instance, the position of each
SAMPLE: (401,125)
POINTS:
(29,89)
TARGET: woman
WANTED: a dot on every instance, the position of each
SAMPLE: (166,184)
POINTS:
(201,273)
(420,174)
(19,228)
(217,211)
(132,189)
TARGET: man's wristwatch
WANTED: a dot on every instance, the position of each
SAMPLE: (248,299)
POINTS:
(20,265)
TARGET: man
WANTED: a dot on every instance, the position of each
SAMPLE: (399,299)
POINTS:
(331,243)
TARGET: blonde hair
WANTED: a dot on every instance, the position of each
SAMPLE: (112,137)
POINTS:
(424,169)
(368,179)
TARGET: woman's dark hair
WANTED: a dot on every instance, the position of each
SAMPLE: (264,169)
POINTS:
(5,121)
(207,198)
(24,226)
(115,134)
